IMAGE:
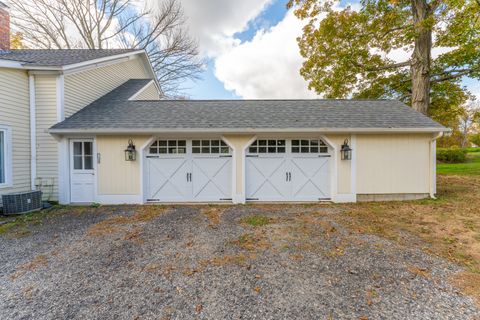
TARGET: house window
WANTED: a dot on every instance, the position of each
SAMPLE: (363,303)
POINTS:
(267,146)
(83,155)
(5,161)
(309,146)
(210,147)
(168,147)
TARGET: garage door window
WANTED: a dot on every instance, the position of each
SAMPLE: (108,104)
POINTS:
(169,147)
(309,146)
(210,147)
(267,146)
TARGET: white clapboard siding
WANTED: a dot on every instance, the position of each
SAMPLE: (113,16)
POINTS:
(47,146)
(393,163)
(85,87)
(14,113)
(150,92)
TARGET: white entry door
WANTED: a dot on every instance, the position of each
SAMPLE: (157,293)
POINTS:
(82,171)
(188,171)
(288,170)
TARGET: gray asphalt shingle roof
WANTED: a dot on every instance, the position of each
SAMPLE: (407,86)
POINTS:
(113,112)
(54,57)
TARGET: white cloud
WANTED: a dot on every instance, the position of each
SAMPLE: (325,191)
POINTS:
(214,22)
(267,66)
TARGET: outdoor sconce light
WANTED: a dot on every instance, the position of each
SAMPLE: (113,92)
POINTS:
(346,151)
(130,152)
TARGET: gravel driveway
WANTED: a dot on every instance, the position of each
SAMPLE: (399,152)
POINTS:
(218,262)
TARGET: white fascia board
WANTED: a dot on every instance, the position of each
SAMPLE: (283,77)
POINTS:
(71,67)
(152,72)
(100,60)
(250,130)
(10,64)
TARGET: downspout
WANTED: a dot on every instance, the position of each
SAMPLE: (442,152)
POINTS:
(433,164)
(33,132)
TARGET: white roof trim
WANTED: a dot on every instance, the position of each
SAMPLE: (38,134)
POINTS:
(24,65)
(136,94)
(85,65)
(251,130)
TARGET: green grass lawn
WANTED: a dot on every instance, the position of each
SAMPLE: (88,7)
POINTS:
(470,168)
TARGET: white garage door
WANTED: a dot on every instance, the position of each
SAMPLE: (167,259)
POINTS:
(188,171)
(288,170)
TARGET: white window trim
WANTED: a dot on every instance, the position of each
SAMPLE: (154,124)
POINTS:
(7,131)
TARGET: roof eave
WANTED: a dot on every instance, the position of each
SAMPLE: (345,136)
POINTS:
(28,66)
(243,130)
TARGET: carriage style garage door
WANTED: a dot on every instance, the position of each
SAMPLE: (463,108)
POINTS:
(188,171)
(288,170)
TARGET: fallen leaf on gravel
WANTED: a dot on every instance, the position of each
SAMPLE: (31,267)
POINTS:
(39,261)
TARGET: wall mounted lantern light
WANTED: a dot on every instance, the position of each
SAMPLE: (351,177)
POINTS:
(130,152)
(346,151)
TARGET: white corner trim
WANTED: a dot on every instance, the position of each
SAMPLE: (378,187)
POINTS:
(242,198)
(143,179)
(234,169)
(353,166)
(63,171)
(333,166)
(8,157)
(33,132)
(136,94)
(60,98)
(433,165)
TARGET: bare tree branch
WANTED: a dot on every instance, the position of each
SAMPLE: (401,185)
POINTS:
(99,24)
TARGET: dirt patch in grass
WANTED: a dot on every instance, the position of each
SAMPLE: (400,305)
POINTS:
(469,283)
(37,262)
(129,225)
(213,214)
(421,272)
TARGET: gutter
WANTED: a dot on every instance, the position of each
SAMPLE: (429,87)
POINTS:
(247,130)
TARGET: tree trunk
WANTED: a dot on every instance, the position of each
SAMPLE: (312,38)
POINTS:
(421,57)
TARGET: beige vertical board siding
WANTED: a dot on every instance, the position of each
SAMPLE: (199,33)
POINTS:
(397,163)
(83,88)
(14,113)
(343,166)
(115,175)
(150,92)
(239,143)
(47,146)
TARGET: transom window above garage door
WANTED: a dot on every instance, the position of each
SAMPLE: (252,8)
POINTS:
(309,146)
(168,147)
(267,146)
(210,147)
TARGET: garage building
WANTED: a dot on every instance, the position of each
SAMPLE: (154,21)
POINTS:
(121,150)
